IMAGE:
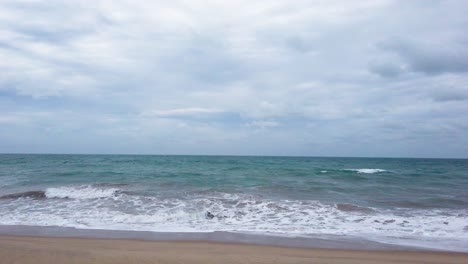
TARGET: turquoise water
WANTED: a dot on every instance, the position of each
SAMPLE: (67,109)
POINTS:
(403,201)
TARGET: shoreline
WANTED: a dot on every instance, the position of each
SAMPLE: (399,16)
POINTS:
(39,250)
(220,237)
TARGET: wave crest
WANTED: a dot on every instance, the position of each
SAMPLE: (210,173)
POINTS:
(353,208)
(80,192)
(367,171)
(29,194)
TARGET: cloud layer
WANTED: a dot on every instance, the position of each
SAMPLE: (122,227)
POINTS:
(321,78)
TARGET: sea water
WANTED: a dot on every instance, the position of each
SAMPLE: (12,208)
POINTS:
(418,202)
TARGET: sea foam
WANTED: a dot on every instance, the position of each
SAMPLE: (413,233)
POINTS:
(230,212)
(79,192)
(367,171)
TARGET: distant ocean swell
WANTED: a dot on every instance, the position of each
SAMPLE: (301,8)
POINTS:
(99,207)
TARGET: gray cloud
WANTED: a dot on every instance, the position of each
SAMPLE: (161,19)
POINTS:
(430,58)
(300,44)
(450,95)
(387,70)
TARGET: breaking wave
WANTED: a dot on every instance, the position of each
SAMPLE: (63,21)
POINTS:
(80,192)
(67,192)
(353,208)
(366,171)
(29,194)
(107,208)
(100,207)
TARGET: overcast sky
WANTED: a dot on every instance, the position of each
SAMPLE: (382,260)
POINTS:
(280,77)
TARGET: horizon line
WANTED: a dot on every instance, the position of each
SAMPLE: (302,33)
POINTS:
(229,155)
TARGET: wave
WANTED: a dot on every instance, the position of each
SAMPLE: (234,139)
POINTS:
(80,192)
(29,194)
(68,192)
(434,202)
(227,212)
(366,171)
(353,208)
(94,207)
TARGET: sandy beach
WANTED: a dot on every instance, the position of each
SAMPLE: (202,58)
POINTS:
(15,249)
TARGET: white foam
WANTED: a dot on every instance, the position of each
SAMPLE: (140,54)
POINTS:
(79,192)
(367,171)
(235,213)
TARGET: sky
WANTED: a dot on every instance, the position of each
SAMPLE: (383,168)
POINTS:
(375,78)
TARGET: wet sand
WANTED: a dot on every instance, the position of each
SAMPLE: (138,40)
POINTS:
(42,250)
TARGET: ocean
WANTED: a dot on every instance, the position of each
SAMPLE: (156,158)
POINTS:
(413,202)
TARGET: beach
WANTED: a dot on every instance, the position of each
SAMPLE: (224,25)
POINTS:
(233,132)
(38,250)
(337,203)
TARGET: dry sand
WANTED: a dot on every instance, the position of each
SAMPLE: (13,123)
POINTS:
(41,250)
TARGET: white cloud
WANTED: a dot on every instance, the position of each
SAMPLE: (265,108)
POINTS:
(182,112)
(263,124)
